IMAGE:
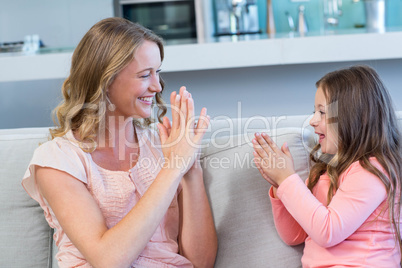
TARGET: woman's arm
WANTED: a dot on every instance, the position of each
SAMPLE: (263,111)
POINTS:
(197,238)
(82,220)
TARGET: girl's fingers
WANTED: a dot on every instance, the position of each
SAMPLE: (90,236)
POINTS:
(262,142)
(259,148)
(271,143)
(260,145)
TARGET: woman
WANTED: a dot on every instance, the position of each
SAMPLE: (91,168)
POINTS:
(116,194)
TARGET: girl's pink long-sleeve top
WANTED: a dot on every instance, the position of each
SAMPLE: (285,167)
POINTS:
(354,230)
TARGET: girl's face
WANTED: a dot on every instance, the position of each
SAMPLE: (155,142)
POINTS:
(327,138)
(134,88)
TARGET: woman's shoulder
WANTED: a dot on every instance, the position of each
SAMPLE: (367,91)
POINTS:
(66,144)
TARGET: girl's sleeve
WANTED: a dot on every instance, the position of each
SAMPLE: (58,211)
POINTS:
(358,196)
(57,155)
(287,227)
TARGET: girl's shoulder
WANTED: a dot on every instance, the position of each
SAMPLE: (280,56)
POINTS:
(357,168)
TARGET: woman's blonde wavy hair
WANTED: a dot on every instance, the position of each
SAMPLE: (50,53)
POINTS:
(107,48)
(361,113)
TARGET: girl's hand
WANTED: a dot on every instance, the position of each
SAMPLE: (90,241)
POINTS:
(181,140)
(275,164)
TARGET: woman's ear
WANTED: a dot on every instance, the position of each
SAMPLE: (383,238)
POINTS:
(112,107)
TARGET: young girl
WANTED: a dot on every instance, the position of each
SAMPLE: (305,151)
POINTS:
(348,212)
(113,194)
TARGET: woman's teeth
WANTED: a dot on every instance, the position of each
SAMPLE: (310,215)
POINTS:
(147,99)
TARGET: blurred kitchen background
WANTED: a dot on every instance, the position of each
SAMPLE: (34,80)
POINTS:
(32,28)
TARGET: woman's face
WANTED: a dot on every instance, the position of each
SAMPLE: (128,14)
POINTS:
(327,138)
(134,88)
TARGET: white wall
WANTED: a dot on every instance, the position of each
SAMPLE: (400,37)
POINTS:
(272,90)
(59,23)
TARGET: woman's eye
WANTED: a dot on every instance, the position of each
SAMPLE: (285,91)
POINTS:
(145,76)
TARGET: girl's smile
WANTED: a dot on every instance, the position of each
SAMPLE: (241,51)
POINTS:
(326,136)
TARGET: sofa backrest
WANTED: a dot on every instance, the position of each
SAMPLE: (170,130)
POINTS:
(226,126)
(239,198)
(25,236)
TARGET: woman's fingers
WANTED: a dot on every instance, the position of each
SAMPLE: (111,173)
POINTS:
(190,120)
(203,123)
(173,97)
(176,111)
(163,133)
(166,124)
(181,91)
(183,109)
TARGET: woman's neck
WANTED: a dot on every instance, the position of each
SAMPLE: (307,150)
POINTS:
(117,134)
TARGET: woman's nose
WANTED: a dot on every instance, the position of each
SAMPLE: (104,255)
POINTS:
(156,85)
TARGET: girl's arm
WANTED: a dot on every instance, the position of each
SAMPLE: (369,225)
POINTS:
(287,227)
(197,238)
(266,162)
(358,196)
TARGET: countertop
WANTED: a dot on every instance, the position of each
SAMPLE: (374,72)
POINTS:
(228,52)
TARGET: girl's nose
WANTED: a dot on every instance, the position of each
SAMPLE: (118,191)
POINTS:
(315,119)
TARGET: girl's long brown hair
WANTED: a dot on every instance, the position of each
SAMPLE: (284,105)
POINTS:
(103,52)
(361,113)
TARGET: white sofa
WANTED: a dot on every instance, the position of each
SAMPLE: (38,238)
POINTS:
(238,194)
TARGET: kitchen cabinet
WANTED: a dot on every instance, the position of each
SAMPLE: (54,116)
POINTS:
(229,52)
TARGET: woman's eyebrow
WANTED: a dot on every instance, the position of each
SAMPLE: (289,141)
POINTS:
(147,69)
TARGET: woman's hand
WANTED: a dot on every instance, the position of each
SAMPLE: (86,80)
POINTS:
(275,164)
(181,140)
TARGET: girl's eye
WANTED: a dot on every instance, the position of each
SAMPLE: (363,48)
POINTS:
(321,112)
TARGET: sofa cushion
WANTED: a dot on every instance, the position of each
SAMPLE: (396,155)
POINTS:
(25,236)
(240,203)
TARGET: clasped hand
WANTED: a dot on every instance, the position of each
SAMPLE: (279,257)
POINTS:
(181,140)
(275,164)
